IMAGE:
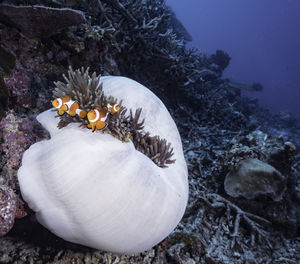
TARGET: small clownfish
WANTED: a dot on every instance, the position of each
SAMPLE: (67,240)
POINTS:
(114,108)
(65,104)
(97,117)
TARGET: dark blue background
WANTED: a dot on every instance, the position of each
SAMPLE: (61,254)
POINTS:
(261,36)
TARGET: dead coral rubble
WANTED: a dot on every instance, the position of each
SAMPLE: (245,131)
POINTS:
(237,230)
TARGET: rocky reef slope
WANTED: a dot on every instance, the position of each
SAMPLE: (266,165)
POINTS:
(143,40)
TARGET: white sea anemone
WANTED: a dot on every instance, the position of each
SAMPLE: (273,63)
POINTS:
(95,190)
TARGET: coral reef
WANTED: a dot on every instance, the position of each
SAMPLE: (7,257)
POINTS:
(221,59)
(219,126)
(270,149)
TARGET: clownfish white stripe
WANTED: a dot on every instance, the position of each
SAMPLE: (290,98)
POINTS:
(115,107)
(97,116)
(60,103)
(104,117)
(78,111)
(69,104)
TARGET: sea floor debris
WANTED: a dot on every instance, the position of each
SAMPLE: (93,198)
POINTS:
(214,229)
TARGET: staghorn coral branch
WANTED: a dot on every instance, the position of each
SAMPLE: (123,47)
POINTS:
(152,24)
(250,219)
(117,5)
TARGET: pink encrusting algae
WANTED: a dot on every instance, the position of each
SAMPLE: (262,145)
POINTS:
(8,207)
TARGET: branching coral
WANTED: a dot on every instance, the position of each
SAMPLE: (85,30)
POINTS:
(87,91)
(255,222)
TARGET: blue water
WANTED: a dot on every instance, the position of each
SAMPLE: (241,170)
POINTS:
(261,36)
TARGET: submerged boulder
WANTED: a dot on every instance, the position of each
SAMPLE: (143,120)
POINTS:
(253,177)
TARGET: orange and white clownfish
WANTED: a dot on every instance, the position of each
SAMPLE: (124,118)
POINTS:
(114,108)
(97,117)
(65,104)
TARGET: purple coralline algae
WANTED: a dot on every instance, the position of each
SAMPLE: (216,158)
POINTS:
(19,88)
(8,206)
(17,135)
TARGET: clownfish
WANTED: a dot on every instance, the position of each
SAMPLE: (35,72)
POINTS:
(114,108)
(65,104)
(97,117)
